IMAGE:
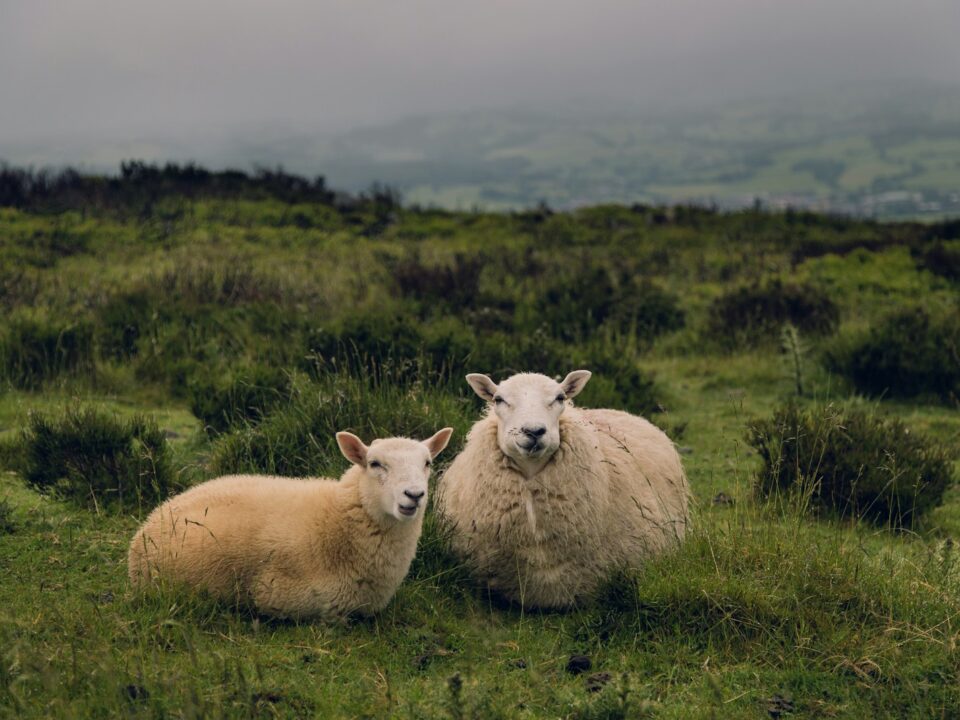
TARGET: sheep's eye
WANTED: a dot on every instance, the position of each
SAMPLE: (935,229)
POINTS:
(559,398)
(497,399)
(375,464)
(428,464)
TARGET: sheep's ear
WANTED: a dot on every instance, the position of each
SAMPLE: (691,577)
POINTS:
(573,383)
(352,448)
(438,442)
(482,386)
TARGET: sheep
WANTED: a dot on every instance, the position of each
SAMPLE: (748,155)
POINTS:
(297,548)
(547,499)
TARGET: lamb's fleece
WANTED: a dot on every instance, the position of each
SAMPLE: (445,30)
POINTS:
(612,495)
(293,547)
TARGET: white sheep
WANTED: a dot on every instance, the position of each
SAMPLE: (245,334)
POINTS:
(546,499)
(297,548)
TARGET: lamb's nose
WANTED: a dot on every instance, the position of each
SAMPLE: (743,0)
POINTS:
(535,432)
(415,496)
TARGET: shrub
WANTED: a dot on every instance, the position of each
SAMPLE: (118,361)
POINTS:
(298,439)
(121,322)
(392,344)
(909,353)
(367,342)
(19,287)
(97,459)
(243,397)
(454,285)
(7,525)
(501,355)
(851,461)
(756,313)
(35,349)
(942,258)
(581,302)
(617,382)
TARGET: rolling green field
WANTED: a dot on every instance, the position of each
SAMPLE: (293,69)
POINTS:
(249,326)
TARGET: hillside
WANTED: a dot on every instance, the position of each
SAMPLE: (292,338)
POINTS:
(244,319)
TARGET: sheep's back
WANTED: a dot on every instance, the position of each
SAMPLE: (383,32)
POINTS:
(218,534)
(647,484)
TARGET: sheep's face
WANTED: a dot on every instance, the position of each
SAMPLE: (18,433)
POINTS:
(528,407)
(396,471)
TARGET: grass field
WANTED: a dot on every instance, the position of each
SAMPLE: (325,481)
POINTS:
(768,609)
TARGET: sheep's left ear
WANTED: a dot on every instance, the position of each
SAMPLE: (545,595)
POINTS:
(352,448)
(482,386)
(575,382)
(438,442)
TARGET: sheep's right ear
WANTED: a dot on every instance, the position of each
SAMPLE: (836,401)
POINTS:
(482,386)
(352,448)
(438,442)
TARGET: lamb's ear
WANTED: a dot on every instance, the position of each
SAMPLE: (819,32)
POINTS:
(482,386)
(438,442)
(573,383)
(352,448)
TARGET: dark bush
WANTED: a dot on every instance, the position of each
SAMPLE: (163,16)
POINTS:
(910,353)
(7,525)
(454,285)
(851,461)
(500,355)
(298,439)
(19,287)
(35,349)
(121,322)
(98,460)
(394,344)
(243,397)
(582,301)
(756,313)
(941,258)
(366,340)
(617,381)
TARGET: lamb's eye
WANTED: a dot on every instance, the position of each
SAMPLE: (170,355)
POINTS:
(428,464)
(375,464)
(559,398)
(498,400)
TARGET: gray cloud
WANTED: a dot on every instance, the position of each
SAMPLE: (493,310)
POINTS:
(129,71)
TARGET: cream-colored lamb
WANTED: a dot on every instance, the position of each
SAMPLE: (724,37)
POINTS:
(546,499)
(297,548)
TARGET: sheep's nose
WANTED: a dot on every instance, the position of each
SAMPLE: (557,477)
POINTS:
(536,432)
(415,496)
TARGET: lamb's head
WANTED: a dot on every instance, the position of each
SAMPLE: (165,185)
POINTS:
(528,408)
(395,472)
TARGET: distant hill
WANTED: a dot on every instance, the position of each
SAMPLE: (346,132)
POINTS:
(888,154)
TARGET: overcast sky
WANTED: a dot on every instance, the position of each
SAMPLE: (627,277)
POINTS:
(129,69)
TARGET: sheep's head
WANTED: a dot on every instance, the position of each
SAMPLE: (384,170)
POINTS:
(395,472)
(528,408)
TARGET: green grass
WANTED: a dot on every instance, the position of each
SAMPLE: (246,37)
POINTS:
(764,607)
